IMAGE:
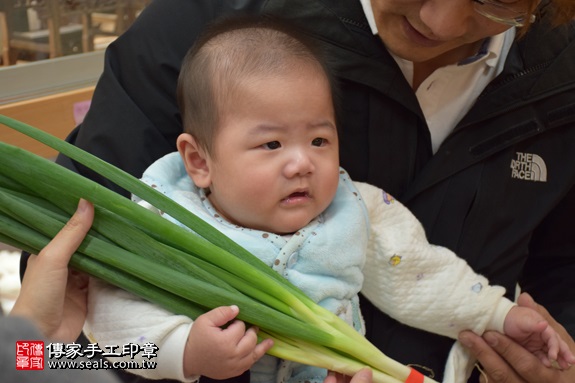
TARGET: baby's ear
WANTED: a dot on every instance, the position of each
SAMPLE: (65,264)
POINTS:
(195,160)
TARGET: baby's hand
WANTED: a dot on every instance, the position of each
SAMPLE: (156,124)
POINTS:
(529,329)
(222,353)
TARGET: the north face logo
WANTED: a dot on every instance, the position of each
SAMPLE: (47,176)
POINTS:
(529,167)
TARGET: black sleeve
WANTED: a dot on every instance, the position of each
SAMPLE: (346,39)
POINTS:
(549,272)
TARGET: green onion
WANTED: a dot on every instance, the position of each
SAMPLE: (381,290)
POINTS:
(186,273)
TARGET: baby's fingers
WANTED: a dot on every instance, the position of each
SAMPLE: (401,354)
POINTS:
(552,341)
(221,315)
(558,350)
(250,347)
(566,358)
(262,348)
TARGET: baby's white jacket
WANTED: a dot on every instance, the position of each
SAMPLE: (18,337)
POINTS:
(418,284)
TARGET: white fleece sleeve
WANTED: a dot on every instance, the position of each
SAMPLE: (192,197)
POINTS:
(419,284)
(117,317)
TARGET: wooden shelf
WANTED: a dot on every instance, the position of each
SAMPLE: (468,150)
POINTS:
(53,114)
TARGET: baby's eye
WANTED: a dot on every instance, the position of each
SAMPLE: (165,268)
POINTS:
(272,145)
(318,141)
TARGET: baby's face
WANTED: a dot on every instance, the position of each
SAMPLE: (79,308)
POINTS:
(276,164)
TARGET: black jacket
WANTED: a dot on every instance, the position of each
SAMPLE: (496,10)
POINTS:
(471,196)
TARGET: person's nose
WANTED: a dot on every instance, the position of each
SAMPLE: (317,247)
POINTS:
(447,19)
(298,163)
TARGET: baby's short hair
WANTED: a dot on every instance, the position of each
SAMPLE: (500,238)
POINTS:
(233,50)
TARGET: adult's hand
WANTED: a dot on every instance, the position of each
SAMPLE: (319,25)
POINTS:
(504,361)
(52,296)
(362,376)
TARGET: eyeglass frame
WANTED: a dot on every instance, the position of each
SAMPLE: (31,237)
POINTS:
(514,22)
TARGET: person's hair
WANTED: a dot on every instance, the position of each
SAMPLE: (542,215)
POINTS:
(563,11)
(230,52)
(559,12)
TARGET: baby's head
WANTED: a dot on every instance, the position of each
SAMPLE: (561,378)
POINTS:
(260,128)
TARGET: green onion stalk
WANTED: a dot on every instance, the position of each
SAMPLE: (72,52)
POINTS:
(187,273)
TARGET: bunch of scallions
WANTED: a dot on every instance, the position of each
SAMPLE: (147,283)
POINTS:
(139,251)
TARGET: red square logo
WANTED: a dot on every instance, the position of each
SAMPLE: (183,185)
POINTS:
(29,355)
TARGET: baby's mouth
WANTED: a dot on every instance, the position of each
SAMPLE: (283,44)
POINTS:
(297,196)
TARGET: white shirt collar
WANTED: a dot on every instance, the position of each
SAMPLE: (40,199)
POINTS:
(448,93)
(366,4)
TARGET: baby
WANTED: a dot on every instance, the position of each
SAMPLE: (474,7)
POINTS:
(259,161)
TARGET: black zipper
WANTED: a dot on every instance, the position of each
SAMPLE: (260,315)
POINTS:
(498,83)
(355,23)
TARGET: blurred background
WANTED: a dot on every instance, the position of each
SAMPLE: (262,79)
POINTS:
(32,30)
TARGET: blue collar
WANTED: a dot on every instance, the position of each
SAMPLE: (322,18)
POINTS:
(483,50)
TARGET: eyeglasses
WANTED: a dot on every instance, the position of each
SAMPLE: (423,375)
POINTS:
(502,13)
